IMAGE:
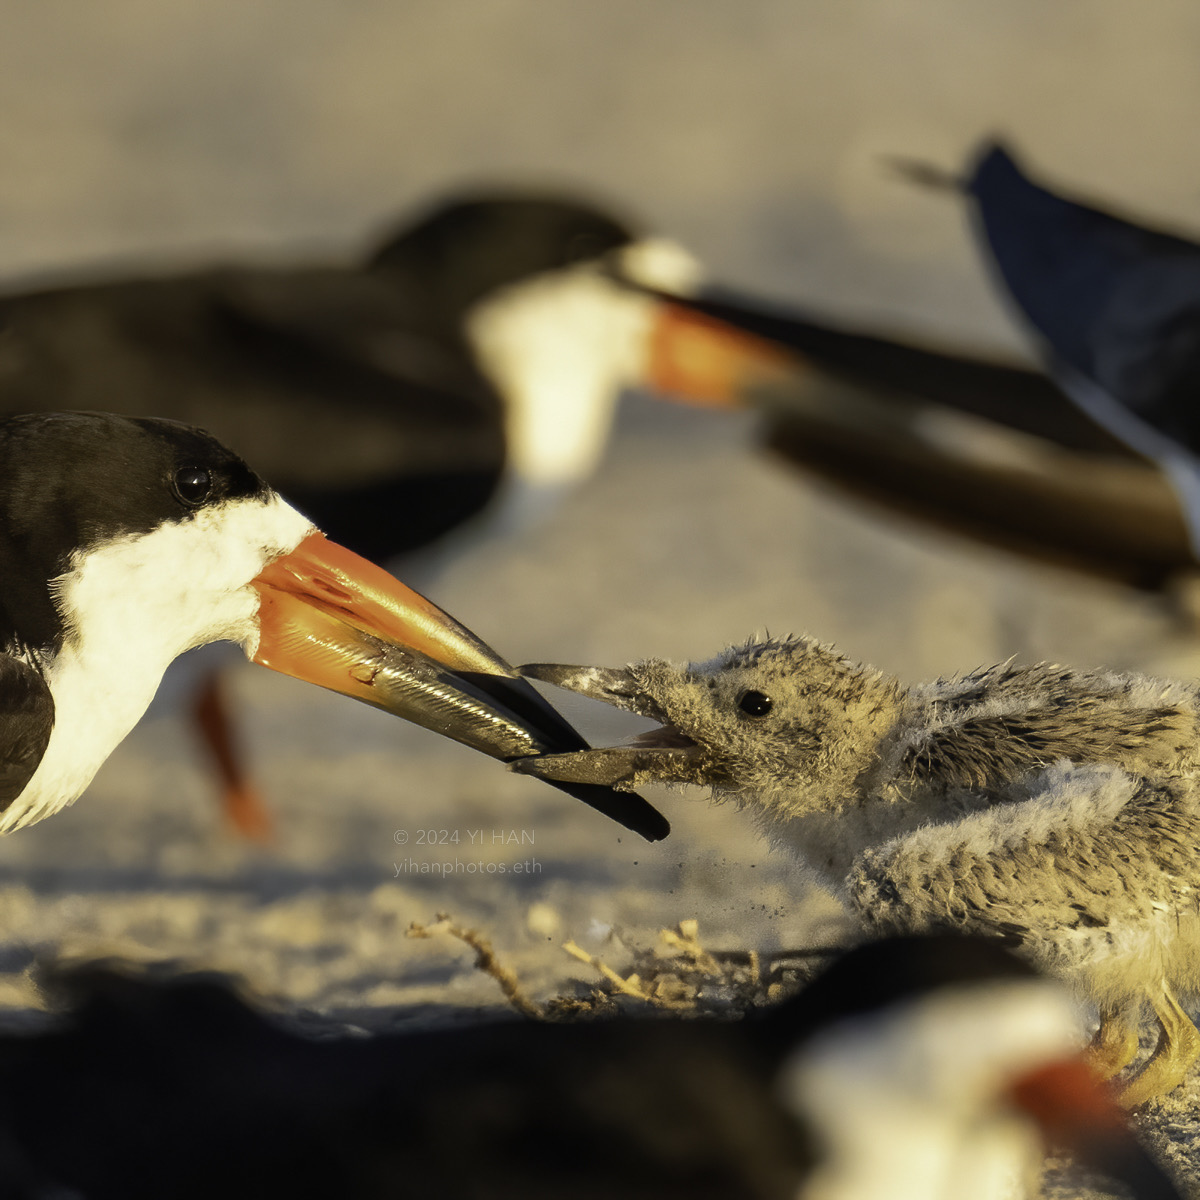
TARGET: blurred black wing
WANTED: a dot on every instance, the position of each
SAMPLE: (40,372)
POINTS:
(1115,303)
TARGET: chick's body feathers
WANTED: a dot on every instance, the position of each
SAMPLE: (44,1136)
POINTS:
(988,728)
(1087,876)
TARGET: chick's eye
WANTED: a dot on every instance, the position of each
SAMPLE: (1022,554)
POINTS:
(754,704)
(193,485)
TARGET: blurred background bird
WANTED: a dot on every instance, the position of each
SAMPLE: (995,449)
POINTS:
(481,342)
(1024,459)
(1114,307)
(974,444)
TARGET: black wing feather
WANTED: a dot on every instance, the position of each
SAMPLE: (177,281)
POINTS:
(26,719)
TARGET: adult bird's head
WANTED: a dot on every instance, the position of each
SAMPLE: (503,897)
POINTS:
(126,541)
(563,305)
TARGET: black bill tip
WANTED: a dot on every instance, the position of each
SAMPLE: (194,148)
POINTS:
(558,740)
(627,808)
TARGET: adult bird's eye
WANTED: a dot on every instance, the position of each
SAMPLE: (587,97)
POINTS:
(754,704)
(193,485)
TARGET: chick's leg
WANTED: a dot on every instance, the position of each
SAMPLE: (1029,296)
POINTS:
(1178,1048)
(1115,1045)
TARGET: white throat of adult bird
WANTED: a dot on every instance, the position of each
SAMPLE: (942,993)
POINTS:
(561,347)
(133,605)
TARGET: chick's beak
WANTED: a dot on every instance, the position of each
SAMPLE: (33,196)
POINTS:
(332,618)
(663,754)
(618,686)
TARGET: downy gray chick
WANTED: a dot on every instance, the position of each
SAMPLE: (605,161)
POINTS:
(1057,809)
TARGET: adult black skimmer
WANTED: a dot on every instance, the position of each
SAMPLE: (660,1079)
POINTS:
(126,541)
(921,1067)
(1057,808)
(476,356)
(1115,307)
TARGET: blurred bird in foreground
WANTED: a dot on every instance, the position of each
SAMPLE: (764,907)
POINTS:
(470,362)
(125,542)
(930,1068)
(1056,809)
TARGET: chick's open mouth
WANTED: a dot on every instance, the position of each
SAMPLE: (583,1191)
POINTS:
(665,754)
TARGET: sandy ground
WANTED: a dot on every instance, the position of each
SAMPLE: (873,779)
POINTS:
(752,131)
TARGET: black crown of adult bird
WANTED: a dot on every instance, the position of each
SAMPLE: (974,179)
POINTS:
(125,542)
(1056,808)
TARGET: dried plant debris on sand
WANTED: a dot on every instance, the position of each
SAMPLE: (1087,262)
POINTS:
(677,973)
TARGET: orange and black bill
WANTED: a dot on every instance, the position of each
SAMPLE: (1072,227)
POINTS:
(701,355)
(1078,1113)
(332,618)
(720,349)
(929,432)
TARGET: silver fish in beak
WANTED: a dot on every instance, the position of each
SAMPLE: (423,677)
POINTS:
(332,618)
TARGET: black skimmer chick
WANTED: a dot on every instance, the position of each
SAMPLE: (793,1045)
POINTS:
(920,1067)
(126,541)
(473,360)
(1058,809)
